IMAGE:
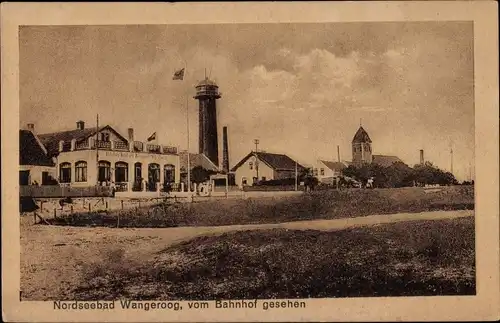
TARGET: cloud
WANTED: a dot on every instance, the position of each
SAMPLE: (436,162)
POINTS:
(298,87)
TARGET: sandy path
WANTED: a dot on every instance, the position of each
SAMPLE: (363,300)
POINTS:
(52,256)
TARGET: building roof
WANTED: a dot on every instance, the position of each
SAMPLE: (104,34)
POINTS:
(51,140)
(361,136)
(335,166)
(196,160)
(384,160)
(274,161)
(31,150)
(206,81)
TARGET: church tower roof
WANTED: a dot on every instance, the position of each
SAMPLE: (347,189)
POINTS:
(361,136)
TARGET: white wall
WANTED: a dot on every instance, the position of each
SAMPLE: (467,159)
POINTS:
(327,171)
(244,171)
(36,172)
(116,156)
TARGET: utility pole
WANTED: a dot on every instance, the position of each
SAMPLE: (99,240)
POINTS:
(296,176)
(256,142)
(451,156)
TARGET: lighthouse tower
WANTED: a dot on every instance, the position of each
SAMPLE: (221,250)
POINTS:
(207,92)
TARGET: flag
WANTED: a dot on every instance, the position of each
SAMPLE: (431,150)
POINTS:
(152,137)
(179,75)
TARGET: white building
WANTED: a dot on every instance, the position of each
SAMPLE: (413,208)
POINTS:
(327,171)
(35,167)
(263,166)
(91,156)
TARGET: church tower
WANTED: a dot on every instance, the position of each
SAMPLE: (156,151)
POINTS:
(361,148)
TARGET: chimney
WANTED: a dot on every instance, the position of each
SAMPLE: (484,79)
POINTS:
(130,134)
(338,154)
(131,139)
(31,127)
(225,151)
(80,125)
(421,157)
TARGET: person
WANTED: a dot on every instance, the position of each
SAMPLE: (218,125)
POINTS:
(113,189)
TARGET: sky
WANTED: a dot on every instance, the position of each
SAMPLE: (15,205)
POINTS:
(301,89)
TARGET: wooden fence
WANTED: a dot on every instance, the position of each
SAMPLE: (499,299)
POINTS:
(62,191)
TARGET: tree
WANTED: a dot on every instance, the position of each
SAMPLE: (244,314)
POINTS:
(430,174)
(396,175)
(200,174)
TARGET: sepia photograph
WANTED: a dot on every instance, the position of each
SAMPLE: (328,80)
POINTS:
(245,165)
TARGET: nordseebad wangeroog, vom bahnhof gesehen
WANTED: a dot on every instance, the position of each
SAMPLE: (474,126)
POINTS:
(82,187)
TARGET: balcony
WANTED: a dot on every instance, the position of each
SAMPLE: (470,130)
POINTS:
(169,150)
(119,145)
(153,148)
(137,146)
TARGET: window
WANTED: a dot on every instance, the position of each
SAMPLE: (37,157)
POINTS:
(105,136)
(243,181)
(251,165)
(315,172)
(24,177)
(81,171)
(154,173)
(169,173)
(104,173)
(322,171)
(65,173)
(121,172)
(138,171)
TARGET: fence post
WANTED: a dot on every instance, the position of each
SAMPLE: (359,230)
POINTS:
(34,217)
(118,220)
(41,206)
(55,214)
(89,207)
(106,205)
(122,203)
(139,203)
(71,208)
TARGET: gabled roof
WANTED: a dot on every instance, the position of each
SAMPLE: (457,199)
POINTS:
(51,140)
(31,151)
(196,160)
(274,161)
(335,166)
(361,136)
(384,160)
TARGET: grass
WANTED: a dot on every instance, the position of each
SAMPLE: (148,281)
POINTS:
(329,204)
(418,258)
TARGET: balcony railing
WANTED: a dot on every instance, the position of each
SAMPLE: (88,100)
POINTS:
(82,145)
(153,148)
(103,144)
(120,145)
(169,150)
(137,146)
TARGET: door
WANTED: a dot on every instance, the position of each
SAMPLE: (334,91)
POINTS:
(45,178)
(24,177)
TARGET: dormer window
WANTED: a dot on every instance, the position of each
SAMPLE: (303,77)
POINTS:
(250,164)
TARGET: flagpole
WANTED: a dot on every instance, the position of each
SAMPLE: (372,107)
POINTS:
(187,129)
(181,77)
